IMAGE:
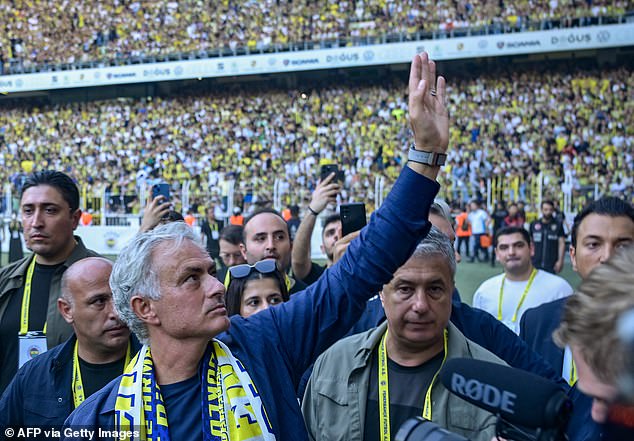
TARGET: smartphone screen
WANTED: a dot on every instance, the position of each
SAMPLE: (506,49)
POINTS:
(352,217)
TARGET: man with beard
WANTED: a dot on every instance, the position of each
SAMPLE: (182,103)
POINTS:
(230,253)
(266,236)
(235,378)
(549,239)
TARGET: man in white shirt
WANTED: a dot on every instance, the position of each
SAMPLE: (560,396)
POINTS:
(479,219)
(521,286)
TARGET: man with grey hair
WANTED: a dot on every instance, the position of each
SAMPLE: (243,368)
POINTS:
(47,389)
(203,375)
(350,380)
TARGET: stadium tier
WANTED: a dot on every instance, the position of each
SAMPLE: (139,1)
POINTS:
(572,128)
(520,130)
(37,34)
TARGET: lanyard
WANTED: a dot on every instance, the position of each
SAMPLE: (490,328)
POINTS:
(573,373)
(519,305)
(384,393)
(77,384)
(26,300)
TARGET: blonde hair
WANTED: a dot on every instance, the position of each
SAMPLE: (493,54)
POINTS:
(591,316)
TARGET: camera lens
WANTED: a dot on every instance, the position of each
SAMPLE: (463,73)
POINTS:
(419,429)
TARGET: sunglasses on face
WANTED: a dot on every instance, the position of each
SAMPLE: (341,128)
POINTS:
(266,266)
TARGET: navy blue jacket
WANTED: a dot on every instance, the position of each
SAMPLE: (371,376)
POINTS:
(40,393)
(536,329)
(277,345)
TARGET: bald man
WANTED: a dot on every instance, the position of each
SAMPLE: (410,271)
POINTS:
(47,388)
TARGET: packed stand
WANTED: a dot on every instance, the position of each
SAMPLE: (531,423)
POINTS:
(52,32)
(574,129)
(72,321)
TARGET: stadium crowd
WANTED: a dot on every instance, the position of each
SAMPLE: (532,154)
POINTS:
(533,122)
(72,321)
(37,32)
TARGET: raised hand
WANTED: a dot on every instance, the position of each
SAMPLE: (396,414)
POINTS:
(428,115)
(326,192)
(154,212)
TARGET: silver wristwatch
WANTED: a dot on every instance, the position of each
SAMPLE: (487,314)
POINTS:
(427,158)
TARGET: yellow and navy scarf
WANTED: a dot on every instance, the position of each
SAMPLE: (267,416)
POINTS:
(231,406)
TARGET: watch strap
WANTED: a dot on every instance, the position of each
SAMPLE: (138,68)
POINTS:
(427,158)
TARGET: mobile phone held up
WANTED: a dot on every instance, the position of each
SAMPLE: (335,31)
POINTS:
(352,217)
(327,169)
(162,189)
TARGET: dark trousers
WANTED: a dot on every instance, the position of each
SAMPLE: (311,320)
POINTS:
(477,247)
(463,240)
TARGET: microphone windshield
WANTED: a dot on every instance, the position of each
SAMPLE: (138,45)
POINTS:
(519,397)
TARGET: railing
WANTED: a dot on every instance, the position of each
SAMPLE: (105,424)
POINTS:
(20,66)
(114,209)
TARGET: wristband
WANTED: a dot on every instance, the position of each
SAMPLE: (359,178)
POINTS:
(313,211)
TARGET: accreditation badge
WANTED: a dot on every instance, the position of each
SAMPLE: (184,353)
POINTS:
(215,234)
(31,345)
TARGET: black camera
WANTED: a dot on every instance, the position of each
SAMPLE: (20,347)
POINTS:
(420,429)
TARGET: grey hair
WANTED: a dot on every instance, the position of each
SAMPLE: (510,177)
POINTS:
(436,243)
(133,273)
(441,208)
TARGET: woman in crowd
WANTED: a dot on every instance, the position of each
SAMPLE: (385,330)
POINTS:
(254,288)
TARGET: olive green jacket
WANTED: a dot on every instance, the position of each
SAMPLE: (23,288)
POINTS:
(336,397)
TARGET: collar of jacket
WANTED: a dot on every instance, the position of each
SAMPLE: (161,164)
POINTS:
(372,339)
(17,274)
(65,355)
